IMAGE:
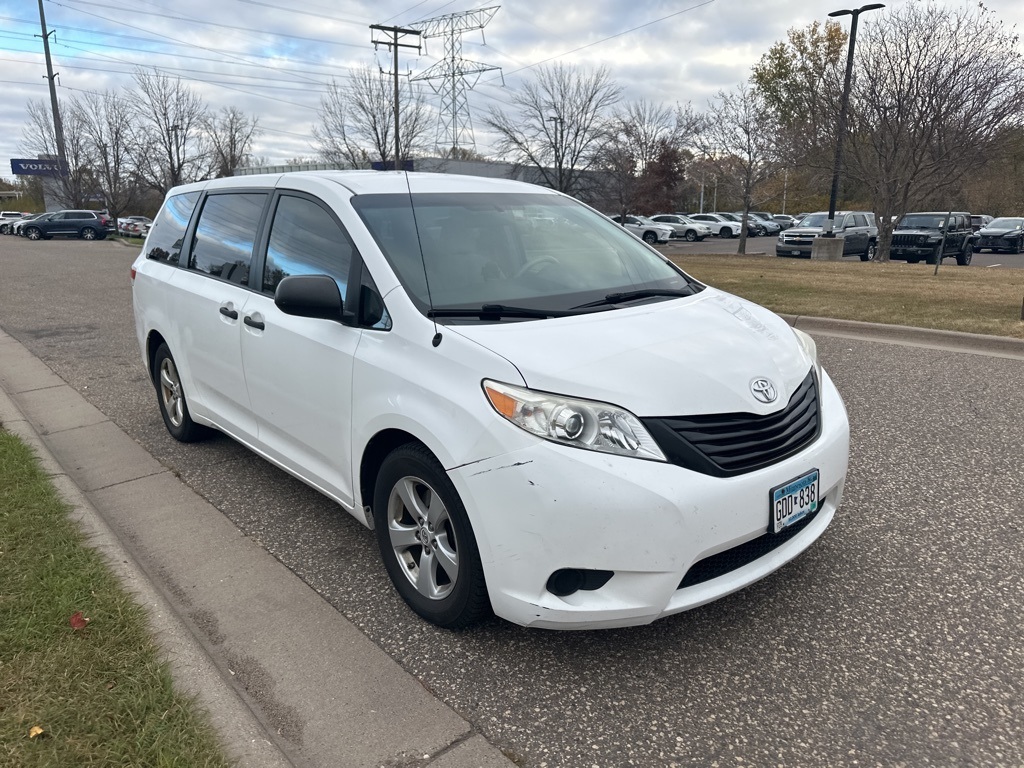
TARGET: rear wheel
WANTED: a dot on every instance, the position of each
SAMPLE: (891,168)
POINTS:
(88,233)
(1018,246)
(690,235)
(171,397)
(426,539)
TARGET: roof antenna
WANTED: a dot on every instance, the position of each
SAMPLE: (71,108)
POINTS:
(426,279)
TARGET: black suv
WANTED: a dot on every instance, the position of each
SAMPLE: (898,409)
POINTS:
(919,236)
(88,225)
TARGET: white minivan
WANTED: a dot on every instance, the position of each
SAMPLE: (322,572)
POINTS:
(536,413)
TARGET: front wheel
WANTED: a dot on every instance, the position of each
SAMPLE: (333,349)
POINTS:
(725,232)
(935,256)
(426,539)
(690,235)
(171,397)
(33,233)
(963,258)
(650,238)
(869,253)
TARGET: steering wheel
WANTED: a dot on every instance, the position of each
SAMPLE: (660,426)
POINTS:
(535,265)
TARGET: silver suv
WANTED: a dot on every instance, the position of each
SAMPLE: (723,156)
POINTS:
(857,229)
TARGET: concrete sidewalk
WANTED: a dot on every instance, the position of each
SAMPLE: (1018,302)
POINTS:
(286,678)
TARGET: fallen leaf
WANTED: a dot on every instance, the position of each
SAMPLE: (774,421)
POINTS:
(34,731)
(78,621)
(110,684)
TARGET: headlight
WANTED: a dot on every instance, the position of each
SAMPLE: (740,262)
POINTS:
(810,348)
(584,424)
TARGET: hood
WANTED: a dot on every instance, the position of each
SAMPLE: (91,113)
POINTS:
(989,232)
(917,231)
(804,231)
(680,357)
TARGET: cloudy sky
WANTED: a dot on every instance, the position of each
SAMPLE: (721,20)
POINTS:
(276,64)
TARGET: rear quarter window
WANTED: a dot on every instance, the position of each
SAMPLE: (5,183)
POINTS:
(168,231)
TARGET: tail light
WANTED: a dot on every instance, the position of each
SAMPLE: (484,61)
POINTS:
(133,274)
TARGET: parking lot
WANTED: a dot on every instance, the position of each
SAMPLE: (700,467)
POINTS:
(894,640)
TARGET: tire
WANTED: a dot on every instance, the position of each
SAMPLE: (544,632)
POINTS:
(88,233)
(4,229)
(170,397)
(33,233)
(913,259)
(725,232)
(963,258)
(869,253)
(1018,246)
(650,238)
(417,514)
(690,236)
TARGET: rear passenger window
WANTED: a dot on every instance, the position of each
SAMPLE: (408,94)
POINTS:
(306,240)
(225,235)
(165,237)
(860,220)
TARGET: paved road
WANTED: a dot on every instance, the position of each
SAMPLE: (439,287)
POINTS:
(766,245)
(895,640)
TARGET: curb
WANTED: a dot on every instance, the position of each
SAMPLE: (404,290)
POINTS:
(242,734)
(954,341)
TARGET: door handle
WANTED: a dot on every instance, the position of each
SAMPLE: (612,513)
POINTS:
(249,320)
(228,312)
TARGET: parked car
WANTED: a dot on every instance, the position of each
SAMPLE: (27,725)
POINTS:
(88,225)
(769,226)
(10,215)
(856,228)
(785,221)
(572,432)
(754,228)
(1003,234)
(683,227)
(17,227)
(134,226)
(927,235)
(7,224)
(720,225)
(979,221)
(649,231)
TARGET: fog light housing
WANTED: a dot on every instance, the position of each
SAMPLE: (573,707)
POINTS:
(566,581)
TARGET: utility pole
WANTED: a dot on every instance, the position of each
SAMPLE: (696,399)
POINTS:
(396,34)
(58,128)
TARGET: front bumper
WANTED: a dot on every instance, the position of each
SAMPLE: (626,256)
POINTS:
(799,250)
(549,507)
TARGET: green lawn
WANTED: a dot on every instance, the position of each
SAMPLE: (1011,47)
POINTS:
(970,299)
(100,694)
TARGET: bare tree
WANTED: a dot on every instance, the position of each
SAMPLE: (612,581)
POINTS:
(739,138)
(106,125)
(229,135)
(74,188)
(559,124)
(936,88)
(169,142)
(357,120)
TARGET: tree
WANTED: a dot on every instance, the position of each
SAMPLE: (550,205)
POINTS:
(739,138)
(106,123)
(168,146)
(357,120)
(936,90)
(74,188)
(558,125)
(230,135)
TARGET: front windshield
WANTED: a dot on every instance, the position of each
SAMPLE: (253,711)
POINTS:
(541,251)
(1005,223)
(922,221)
(728,216)
(814,220)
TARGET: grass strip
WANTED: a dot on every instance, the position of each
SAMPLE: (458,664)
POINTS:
(969,299)
(100,694)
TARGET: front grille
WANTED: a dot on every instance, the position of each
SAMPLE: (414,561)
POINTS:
(904,240)
(728,444)
(744,554)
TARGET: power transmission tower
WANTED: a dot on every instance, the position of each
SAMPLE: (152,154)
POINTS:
(396,34)
(454,127)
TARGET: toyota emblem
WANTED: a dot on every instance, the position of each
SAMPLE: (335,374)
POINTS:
(764,390)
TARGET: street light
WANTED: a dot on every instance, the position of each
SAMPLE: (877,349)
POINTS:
(841,128)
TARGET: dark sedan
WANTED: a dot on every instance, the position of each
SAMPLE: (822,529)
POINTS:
(1003,234)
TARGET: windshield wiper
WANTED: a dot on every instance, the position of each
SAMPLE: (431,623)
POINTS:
(643,293)
(498,311)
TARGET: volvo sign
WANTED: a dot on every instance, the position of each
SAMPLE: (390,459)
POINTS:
(37,168)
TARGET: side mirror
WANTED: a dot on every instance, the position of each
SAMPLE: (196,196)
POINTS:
(310,296)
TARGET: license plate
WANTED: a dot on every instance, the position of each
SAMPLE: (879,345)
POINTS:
(794,253)
(793,501)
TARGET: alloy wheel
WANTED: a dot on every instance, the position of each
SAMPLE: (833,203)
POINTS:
(423,538)
(170,392)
